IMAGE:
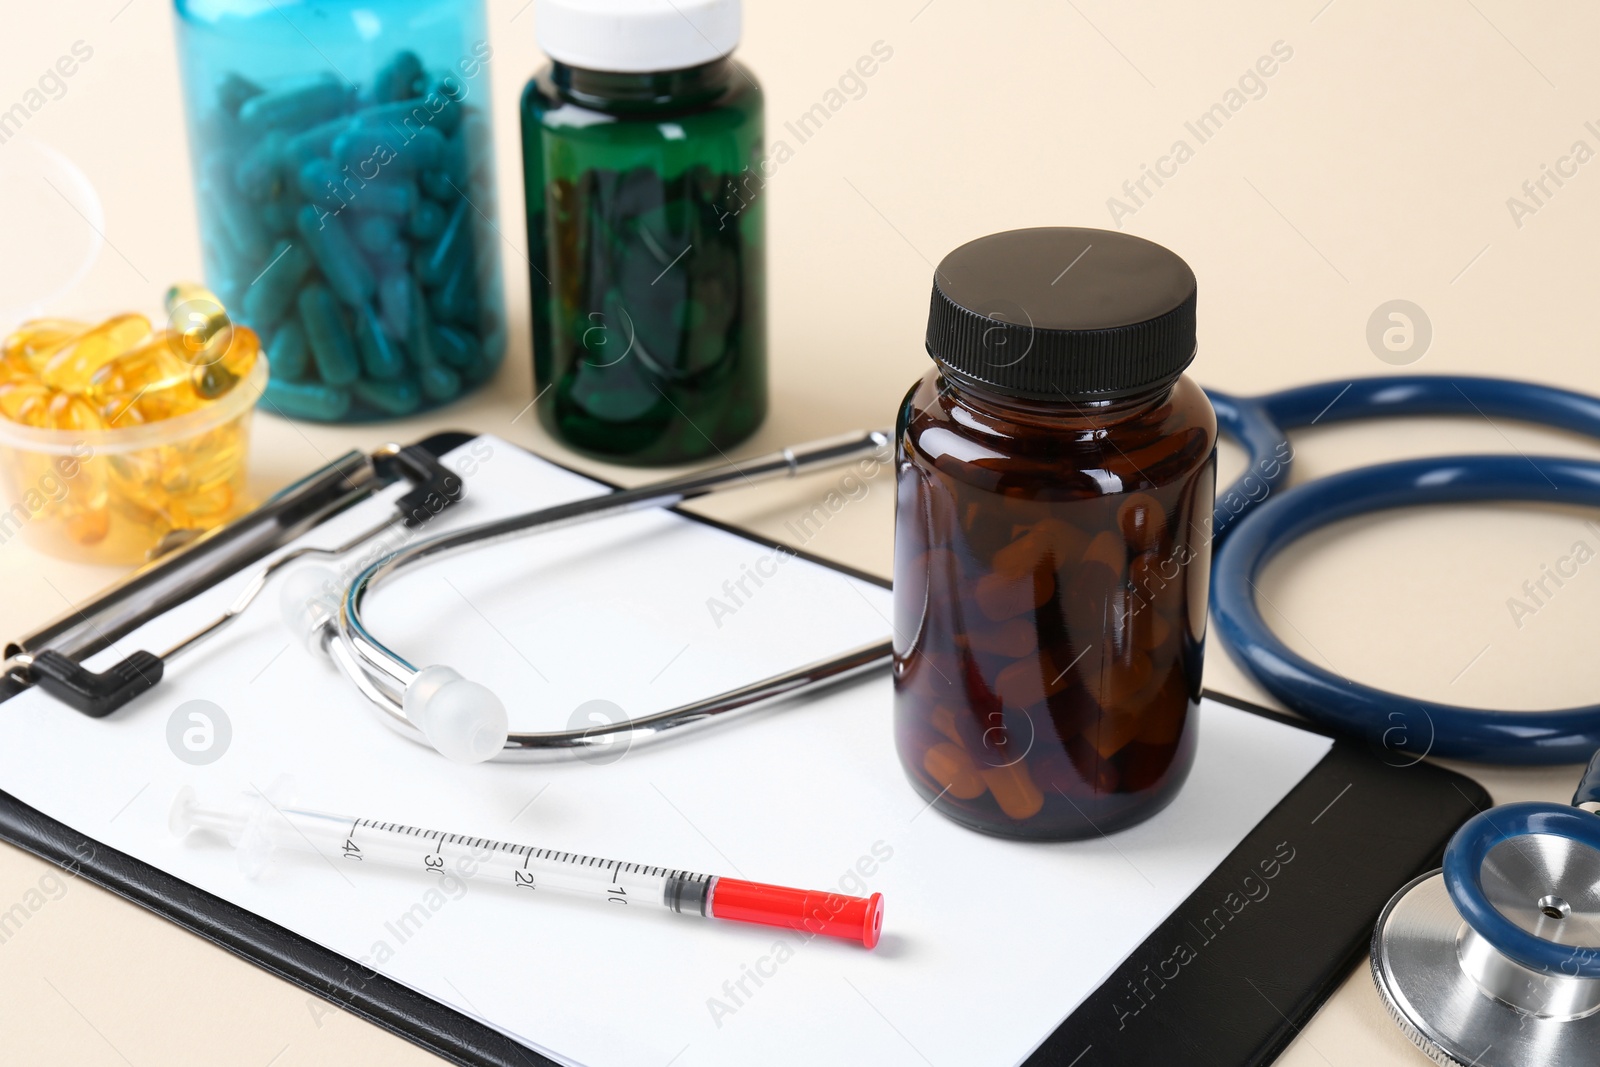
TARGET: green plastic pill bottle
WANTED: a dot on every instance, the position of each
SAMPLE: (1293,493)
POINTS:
(1055,472)
(641,153)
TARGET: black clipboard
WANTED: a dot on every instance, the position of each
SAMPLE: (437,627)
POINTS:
(1227,980)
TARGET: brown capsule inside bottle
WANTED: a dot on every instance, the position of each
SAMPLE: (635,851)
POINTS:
(1051,605)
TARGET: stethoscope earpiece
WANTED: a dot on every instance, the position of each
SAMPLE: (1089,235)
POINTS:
(309,604)
(463,720)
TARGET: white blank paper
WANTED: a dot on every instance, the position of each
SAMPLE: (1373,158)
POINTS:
(988,944)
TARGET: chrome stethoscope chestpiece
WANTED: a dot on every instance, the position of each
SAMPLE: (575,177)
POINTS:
(1494,961)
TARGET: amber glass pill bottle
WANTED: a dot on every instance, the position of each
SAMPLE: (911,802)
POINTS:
(1055,476)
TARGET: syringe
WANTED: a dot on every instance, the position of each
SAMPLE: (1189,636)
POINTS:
(355,843)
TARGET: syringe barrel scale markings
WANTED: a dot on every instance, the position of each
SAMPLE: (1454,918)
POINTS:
(356,842)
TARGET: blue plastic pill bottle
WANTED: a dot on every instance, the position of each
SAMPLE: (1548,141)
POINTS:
(344,177)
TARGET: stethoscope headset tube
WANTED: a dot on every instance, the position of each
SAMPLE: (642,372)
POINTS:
(466,722)
(1255,520)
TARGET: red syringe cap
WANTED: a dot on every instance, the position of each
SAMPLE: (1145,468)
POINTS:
(814,912)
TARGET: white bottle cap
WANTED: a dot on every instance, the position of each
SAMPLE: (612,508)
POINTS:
(637,36)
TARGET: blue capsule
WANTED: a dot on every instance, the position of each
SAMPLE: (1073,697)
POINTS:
(399,79)
(400,397)
(439,383)
(393,258)
(296,108)
(323,184)
(277,216)
(346,272)
(306,400)
(289,354)
(394,304)
(334,189)
(426,150)
(456,162)
(233,90)
(384,197)
(381,356)
(370,149)
(457,348)
(377,233)
(435,263)
(363,151)
(242,228)
(439,185)
(443,99)
(402,118)
(331,344)
(315,143)
(427,220)
(269,298)
(422,149)
(457,299)
(228,289)
(260,171)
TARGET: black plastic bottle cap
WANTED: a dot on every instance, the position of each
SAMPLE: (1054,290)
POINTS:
(1063,313)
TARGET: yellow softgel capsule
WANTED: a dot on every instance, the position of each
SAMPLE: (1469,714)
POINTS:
(204,508)
(197,465)
(204,480)
(122,411)
(136,476)
(178,399)
(88,526)
(151,523)
(73,366)
(144,385)
(15,371)
(227,359)
(149,366)
(84,512)
(24,401)
(69,411)
(196,317)
(35,341)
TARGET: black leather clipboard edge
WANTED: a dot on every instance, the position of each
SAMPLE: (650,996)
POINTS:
(1230,977)
(1351,853)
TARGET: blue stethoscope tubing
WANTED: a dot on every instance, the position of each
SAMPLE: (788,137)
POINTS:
(1256,518)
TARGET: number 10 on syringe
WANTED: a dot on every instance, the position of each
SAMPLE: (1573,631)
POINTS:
(263,829)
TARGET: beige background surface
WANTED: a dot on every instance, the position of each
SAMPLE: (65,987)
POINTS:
(1376,165)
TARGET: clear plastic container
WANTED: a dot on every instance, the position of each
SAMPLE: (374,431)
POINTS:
(114,496)
(344,175)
